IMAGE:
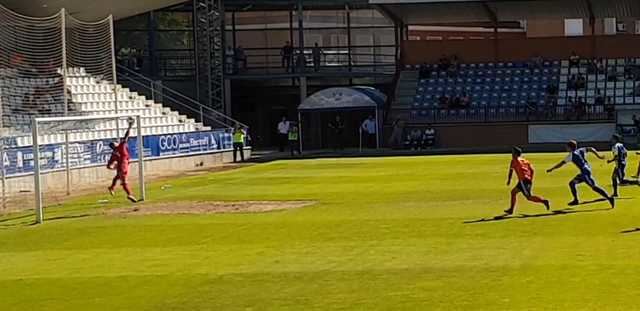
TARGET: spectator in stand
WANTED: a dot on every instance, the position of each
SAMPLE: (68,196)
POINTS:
(636,90)
(581,82)
(454,63)
(444,63)
(599,100)
(454,103)
(465,101)
(574,60)
(294,140)
(551,105)
(396,134)
(600,67)
(581,109)
(429,136)
(241,59)
(610,108)
(443,102)
(317,57)
(612,74)
(337,127)
(592,67)
(572,83)
(287,56)
(301,63)
(369,128)
(536,62)
(414,139)
(552,89)
(532,107)
(425,71)
(636,123)
(283,133)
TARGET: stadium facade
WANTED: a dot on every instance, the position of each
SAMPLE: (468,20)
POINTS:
(182,45)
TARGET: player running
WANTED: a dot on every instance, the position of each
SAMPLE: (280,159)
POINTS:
(578,156)
(620,157)
(119,161)
(524,171)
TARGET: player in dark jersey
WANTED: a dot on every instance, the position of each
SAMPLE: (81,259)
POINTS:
(620,158)
(578,156)
(524,171)
(119,161)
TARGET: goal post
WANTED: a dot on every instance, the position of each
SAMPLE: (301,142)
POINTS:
(57,136)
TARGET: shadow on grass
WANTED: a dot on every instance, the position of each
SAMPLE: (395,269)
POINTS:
(562,212)
(3,220)
(26,222)
(634,230)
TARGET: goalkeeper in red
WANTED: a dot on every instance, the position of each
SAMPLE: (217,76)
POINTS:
(524,171)
(119,161)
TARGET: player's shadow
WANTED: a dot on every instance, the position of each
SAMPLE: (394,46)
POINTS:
(562,212)
(634,230)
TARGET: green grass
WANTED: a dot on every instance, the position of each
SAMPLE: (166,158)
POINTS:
(386,233)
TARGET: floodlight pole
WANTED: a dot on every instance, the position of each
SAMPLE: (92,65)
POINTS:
(140,143)
(36,170)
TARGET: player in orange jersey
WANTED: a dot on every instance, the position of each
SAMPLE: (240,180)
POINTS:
(524,171)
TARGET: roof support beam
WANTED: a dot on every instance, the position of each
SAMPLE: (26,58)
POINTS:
(592,26)
(388,14)
(491,14)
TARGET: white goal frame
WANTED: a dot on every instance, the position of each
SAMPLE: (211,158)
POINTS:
(37,173)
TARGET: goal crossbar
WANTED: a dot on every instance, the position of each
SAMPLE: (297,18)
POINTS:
(35,122)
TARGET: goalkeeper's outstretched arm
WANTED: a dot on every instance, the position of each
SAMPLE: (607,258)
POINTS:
(125,138)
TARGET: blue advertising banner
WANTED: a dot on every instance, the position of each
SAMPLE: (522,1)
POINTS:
(20,160)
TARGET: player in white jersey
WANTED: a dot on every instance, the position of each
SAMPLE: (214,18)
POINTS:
(620,158)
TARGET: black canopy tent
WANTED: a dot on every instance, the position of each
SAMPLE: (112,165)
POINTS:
(343,99)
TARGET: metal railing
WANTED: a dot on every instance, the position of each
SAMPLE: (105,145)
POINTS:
(504,113)
(174,99)
(270,60)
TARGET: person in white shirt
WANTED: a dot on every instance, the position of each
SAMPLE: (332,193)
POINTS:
(369,128)
(283,134)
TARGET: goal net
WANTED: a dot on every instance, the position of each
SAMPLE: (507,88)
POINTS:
(70,155)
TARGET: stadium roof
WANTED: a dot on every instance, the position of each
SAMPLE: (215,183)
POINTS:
(94,10)
(87,9)
(418,12)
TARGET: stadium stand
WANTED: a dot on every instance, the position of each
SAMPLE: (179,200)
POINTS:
(33,82)
(613,79)
(479,91)
(90,96)
(517,91)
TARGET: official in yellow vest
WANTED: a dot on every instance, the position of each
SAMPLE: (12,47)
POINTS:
(294,140)
(239,135)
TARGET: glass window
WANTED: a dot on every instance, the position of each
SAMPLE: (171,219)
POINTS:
(573,27)
(173,20)
(370,18)
(174,40)
(262,20)
(322,19)
(132,39)
(133,23)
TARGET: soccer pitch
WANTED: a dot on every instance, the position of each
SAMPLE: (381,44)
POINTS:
(385,233)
